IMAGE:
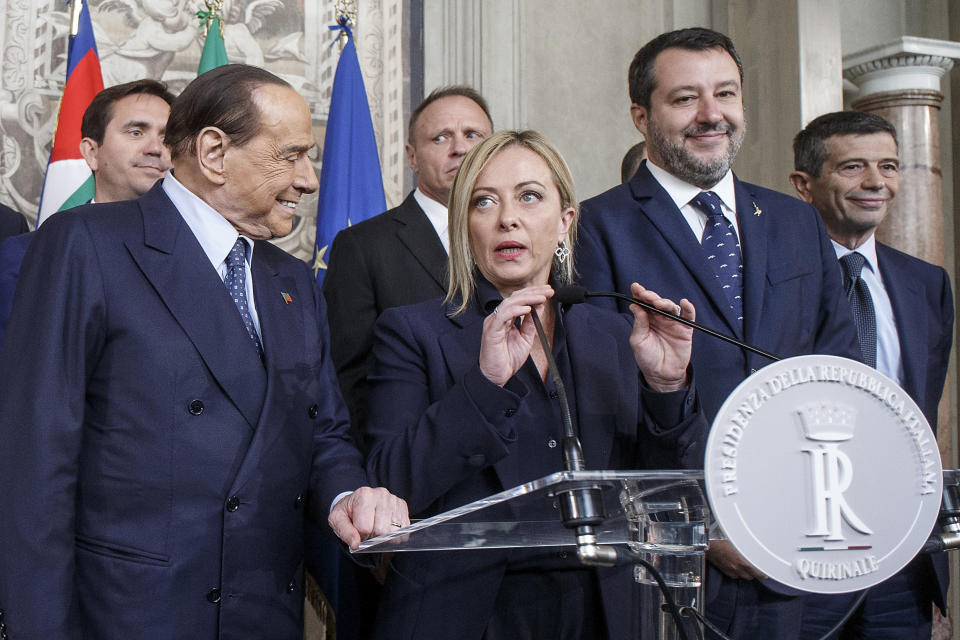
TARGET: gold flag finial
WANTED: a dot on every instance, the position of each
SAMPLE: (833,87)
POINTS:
(214,9)
(346,16)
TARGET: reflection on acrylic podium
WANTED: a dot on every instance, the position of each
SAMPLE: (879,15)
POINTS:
(658,515)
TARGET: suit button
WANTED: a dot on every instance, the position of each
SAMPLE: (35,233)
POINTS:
(195,407)
(509,412)
(552,443)
(292,586)
(233,504)
(213,596)
(298,503)
(313,411)
(477,460)
(554,394)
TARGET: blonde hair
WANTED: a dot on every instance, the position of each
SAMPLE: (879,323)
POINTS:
(461,262)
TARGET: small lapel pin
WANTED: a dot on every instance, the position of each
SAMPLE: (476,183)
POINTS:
(286,297)
(756,209)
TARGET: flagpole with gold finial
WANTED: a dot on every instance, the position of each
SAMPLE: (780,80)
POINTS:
(214,9)
(346,12)
(75,7)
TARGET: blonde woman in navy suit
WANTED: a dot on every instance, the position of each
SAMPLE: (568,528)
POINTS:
(461,406)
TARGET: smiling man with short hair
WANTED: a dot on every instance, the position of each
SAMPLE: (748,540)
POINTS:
(170,400)
(755,263)
(846,165)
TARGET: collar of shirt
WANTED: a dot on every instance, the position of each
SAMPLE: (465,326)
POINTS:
(215,235)
(683,192)
(868,250)
(889,359)
(436,214)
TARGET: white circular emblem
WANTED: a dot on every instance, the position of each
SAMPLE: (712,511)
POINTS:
(823,473)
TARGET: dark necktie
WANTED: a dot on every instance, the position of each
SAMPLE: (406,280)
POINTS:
(722,249)
(236,282)
(861,304)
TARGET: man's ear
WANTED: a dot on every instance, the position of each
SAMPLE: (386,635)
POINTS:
(802,182)
(212,145)
(411,157)
(89,149)
(639,116)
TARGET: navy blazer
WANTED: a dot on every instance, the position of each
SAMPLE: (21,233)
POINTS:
(12,251)
(155,473)
(391,260)
(442,436)
(923,311)
(793,302)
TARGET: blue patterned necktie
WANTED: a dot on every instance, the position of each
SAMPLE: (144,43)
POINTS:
(236,283)
(858,293)
(722,249)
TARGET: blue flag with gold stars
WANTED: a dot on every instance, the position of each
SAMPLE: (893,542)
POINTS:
(351,187)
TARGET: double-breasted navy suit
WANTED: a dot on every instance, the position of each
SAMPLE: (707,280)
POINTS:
(155,473)
(793,300)
(442,435)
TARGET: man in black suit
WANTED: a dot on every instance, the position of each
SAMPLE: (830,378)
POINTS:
(846,166)
(399,257)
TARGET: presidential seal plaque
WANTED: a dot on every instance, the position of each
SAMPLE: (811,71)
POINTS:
(823,473)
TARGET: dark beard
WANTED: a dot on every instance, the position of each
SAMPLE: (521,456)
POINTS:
(684,165)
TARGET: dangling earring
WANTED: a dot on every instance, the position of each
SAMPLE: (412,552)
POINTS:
(562,253)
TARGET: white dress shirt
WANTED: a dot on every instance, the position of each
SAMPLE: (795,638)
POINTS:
(682,193)
(437,214)
(889,362)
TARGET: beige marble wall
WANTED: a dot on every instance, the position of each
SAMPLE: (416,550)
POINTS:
(559,66)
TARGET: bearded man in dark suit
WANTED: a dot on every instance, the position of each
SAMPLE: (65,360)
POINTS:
(756,264)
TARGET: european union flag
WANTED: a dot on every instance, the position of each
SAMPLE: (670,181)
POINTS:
(351,187)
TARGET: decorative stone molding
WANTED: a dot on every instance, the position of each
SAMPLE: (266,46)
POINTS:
(907,63)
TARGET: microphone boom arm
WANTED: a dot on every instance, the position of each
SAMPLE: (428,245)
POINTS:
(682,320)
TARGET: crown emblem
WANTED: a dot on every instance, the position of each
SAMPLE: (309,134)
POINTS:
(827,422)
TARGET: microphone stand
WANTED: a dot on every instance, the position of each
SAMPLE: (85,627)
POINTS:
(567,294)
(581,506)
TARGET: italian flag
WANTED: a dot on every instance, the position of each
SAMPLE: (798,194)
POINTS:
(68,181)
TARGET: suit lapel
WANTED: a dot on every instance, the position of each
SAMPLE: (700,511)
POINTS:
(906,297)
(418,235)
(176,266)
(460,350)
(660,209)
(280,311)
(753,247)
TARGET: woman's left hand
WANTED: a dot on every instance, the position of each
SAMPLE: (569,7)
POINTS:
(661,346)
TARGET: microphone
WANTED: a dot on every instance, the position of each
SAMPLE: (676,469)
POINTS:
(581,507)
(575,294)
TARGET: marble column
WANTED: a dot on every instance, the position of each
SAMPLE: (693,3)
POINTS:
(901,82)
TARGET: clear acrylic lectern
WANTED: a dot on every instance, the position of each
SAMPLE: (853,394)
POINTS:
(660,514)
